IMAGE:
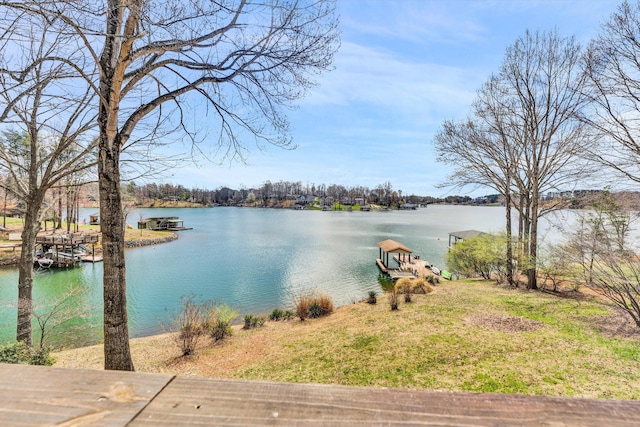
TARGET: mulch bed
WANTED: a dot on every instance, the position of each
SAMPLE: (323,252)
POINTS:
(503,323)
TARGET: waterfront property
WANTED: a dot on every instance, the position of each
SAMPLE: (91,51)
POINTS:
(269,254)
(171,223)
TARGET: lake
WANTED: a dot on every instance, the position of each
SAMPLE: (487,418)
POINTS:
(255,260)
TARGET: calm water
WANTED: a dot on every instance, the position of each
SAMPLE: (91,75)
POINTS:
(254,260)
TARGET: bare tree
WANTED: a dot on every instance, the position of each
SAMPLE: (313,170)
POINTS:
(484,152)
(241,62)
(612,65)
(51,315)
(605,255)
(524,136)
(48,138)
(542,72)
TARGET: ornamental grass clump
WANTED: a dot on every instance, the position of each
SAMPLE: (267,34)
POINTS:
(372,299)
(278,315)
(313,305)
(433,280)
(404,286)
(392,297)
(252,322)
(421,285)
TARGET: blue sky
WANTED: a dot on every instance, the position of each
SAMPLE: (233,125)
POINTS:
(403,67)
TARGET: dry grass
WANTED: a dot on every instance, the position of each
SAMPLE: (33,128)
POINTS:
(464,336)
(313,305)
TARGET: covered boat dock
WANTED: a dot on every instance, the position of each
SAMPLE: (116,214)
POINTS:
(67,249)
(171,223)
(402,255)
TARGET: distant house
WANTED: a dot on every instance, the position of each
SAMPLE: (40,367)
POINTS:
(305,199)
(410,206)
(327,200)
(358,201)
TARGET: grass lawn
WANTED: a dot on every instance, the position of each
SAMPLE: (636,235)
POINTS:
(466,336)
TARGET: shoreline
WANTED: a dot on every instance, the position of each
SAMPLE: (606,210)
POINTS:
(14,260)
(150,242)
(423,345)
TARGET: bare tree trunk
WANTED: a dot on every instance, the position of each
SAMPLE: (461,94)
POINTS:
(509,242)
(25,275)
(58,226)
(117,354)
(532,278)
(68,210)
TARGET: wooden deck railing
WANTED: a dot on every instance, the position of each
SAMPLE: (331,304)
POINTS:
(39,396)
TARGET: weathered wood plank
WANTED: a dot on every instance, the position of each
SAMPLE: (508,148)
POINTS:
(193,401)
(38,396)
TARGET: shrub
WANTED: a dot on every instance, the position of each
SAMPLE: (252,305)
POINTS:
(315,311)
(303,303)
(188,322)
(421,285)
(404,286)
(325,303)
(313,305)
(20,353)
(248,318)
(251,321)
(219,318)
(14,353)
(40,356)
(433,280)
(392,296)
(372,297)
(276,315)
(482,255)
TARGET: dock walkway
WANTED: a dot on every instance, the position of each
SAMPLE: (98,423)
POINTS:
(45,396)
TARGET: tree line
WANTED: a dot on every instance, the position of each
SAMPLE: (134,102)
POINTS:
(269,192)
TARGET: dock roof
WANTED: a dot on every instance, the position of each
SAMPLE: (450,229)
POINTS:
(391,246)
(465,234)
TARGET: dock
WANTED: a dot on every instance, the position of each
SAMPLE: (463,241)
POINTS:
(46,396)
(408,265)
(397,251)
(170,223)
(64,248)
